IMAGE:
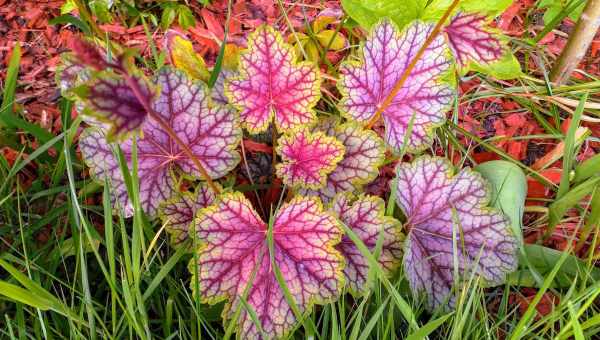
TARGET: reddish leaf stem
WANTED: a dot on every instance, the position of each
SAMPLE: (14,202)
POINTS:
(135,87)
(388,100)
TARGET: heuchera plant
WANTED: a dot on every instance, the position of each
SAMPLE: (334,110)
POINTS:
(273,269)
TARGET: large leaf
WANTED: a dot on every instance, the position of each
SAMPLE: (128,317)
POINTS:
(368,12)
(235,258)
(472,40)
(271,83)
(445,212)
(179,211)
(307,158)
(365,152)
(211,133)
(367,83)
(365,216)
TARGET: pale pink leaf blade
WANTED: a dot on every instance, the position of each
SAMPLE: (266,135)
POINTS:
(365,216)
(271,84)
(385,56)
(236,256)
(307,158)
(211,133)
(179,211)
(437,204)
(364,153)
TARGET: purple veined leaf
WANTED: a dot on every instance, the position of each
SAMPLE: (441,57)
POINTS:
(436,202)
(366,217)
(110,100)
(271,84)
(179,211)
(212,133)
(385,54)
(365,152)
(235,255)
(307,158)
(471,39)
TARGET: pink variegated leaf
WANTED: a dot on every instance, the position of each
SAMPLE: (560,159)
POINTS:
(365,216)
(365,152)
(307,158)
(444,210)
(471,39)
(178,212)
(211,133)
(272,83)
(385,55)
(235,257)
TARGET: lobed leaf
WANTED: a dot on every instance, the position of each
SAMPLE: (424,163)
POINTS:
(211,133)
(471,40)
(365,152)
(431,198)
(385,55)
(307,158)
(271,84)
(365,216)
(179,211)
(235,256)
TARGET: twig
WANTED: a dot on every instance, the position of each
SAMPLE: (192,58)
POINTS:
(578,43)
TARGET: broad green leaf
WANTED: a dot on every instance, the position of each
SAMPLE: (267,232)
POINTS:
(509,190)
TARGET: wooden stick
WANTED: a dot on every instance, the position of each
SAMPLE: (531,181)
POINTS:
(578,43)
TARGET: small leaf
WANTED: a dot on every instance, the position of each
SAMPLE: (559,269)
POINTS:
(471,40)
(178,212)
(365,216)
(185,17)
(365,152)
(431,196)
(182,55)
(331,39)
(236,247)
(366,84)
(211,133)
(271,83)
(307,158)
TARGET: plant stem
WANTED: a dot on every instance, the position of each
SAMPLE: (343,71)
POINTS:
(388,100)
(578,43)
(135,87)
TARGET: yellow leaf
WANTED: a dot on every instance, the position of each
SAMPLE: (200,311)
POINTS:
(182,56)
(231,56)
(321,23)
(312,51)
(331,39)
